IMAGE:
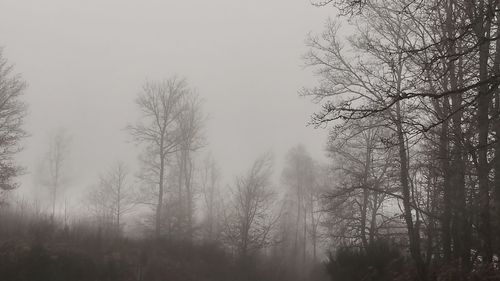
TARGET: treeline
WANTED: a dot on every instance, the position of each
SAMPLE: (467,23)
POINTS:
(171,218)
(412,91)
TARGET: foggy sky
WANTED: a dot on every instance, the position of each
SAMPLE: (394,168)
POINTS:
(85,62)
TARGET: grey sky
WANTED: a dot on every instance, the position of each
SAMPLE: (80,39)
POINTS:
(85,61)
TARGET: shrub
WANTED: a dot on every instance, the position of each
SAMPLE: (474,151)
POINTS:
(377,262)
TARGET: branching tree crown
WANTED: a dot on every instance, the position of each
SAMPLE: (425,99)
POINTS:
(12,113)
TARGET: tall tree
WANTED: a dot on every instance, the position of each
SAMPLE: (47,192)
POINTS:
(190,127)
(212,199)
(361,86)
(362,166)
(439,59)
(251,216)
(54,167)
(12,113)
(161,104)
(298,176)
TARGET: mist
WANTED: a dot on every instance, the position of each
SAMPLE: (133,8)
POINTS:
(86,62)
(277,140)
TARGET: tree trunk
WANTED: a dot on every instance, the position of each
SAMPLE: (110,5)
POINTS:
(460,228)
(118,202)
(159,205)
(366,193)
(413,235)
(483,127)
(189,200)
(496,166)
(447,198)
(373,221)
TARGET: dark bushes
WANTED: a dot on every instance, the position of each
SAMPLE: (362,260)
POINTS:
(378,262)
(51,262)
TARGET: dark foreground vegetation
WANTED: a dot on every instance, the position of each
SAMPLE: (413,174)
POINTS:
(47,253)
(34,248)
(81,257)
(382,261)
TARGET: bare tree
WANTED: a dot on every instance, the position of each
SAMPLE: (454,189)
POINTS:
(161,104)
(190,128)
(12,113)
(368,83)
(53,170)
(212,199)
(429,72)
(251,217)
(361,165)
(112,197)
(316,210)
(298,176)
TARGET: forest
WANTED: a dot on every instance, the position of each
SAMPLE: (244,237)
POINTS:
(409,189)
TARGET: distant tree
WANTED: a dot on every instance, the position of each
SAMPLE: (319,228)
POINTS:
(300,230)
(298,176)
(212,199)
(252,216)
(53,170)
(361,165)
(316,210)
(12,113)
(112,197)
(192,139)
(162,104)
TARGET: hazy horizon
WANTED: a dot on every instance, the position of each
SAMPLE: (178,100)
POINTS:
(85,63)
